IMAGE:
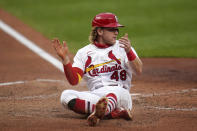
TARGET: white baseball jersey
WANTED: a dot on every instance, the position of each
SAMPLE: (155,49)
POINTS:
(104,66)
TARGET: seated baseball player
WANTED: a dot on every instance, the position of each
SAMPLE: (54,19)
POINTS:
(107,64)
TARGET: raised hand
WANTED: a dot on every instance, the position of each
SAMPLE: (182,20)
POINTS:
(125,43)
(61,50)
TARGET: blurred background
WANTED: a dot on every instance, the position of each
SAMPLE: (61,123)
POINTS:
(156,28)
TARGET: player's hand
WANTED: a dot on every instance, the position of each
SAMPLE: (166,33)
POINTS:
(61,49)
(125,43)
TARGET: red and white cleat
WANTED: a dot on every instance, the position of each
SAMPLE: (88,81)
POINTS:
(99,112)
(118,113)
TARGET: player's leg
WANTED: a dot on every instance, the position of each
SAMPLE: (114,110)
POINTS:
(85,103)
(104,106)
(112,102)
(124,109)
(112,95)
(120,102)
(99,112)
(79,102)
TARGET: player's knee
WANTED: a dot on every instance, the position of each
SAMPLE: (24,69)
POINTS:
(71,104)
(127,101)
(67,96)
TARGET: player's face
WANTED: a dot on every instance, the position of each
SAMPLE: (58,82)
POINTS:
(109,35)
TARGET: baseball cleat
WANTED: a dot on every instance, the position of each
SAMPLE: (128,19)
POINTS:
(125,114)
(99,112)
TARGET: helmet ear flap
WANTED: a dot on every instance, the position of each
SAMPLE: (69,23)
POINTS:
(106,20)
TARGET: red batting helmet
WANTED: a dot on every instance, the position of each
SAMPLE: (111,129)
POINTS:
(105,20)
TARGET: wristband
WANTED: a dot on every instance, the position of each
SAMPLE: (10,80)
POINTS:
(131,55)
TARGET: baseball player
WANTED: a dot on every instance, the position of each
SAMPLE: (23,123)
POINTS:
(107,64)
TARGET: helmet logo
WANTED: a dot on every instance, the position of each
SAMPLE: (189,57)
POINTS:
(98,17)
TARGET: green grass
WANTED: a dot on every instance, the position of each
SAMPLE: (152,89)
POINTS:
(157,28)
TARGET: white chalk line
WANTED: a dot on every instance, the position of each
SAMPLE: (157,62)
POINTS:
(166,93)
(31,45)
(12,83)
(48,80)
(28,97)
(171,108)
(22,82)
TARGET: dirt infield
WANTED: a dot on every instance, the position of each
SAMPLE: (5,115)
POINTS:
(164,96)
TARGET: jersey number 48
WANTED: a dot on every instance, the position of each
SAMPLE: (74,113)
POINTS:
(117,76)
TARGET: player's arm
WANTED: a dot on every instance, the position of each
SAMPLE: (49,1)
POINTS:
(134,61)
(73,74)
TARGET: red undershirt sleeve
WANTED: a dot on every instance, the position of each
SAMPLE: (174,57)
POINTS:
(73,74)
